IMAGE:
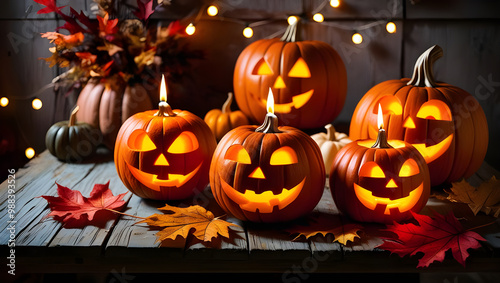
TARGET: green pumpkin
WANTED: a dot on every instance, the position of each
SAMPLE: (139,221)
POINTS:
(72,141)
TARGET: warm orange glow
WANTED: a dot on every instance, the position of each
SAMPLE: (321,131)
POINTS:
(4,101)
(263,202)
(262,68)
(151,180)
(270,102)
(161,160)
(190,29)
(300,70)
(212,10)
(163,89)
(292,19)
(29,152)
(380,117)
(409,168)
(237,153)
(335,3)
(371,169)
(357,38)
(402,204)
(248,32)
(409,123)
(391,104)
(283,156)
(257,174)
(390,27)
(279,83)
(431,153)
(36,104)
(184,143)
(391,184)
(318,17)
(297,101)
(435,109)
(140,141)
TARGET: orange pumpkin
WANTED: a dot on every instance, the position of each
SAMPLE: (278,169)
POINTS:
(267,174)
(308,79)
(221,122)
(106,106)
(379,183)
(443,122)
(164,154)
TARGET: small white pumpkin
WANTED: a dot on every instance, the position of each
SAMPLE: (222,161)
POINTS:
(330,143)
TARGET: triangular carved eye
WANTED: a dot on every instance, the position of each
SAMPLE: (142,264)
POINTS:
(409,168)
(283,156)
(262,68)
(237,153)
(184,143)
(371,169)
(300,70)
(140,141)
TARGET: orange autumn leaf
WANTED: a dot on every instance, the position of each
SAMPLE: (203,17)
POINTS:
(62,40)
(194,220)
(323,224)
(107,26)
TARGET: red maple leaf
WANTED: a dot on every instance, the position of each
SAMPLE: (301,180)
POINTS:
(433,237)
(76,211)
(145,9)
(107,26)
(50,6)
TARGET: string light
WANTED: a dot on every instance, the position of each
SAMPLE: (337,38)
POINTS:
(335,3)
(318,17)
(36,104)
(357,38)
(248,32)
(212,10)
(390,27)
(292,19)
(190,29)
(4,101)
(29,152)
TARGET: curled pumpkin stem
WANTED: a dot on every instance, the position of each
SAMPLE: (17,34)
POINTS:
(423,75)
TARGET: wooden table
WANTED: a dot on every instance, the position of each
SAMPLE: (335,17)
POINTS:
(44,246)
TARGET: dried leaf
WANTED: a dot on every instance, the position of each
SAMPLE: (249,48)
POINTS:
(342,229)
(433,237)
(194,220)
(485,198)
(145,9)
(50,6)
(76,211)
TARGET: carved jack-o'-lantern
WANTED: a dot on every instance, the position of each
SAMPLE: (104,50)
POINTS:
(379,182)
(164,154)
(308,79)
(267,174)
(445,123)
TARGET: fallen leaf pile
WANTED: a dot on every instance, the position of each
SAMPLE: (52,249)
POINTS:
(183,221)
(432,237)
(342,229)
(74,210)
(485,198)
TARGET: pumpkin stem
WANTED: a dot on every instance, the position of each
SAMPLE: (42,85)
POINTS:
(422,72)
(330,132)
(270,125)
(164,109)
(290,34)
(226,107)
(72,117)
(381,141)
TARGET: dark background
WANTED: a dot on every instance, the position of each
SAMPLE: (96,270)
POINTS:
(467,30)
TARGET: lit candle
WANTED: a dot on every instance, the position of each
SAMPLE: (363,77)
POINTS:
(381,141)
(163,108)
(270,124)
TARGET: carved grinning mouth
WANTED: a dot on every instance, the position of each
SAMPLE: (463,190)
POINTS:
(431,153)
(174,180)
(298,101)
(402,204)
(265,201)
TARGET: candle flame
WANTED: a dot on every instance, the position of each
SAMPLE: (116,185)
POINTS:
(163,89)
(380,117)
(270,102)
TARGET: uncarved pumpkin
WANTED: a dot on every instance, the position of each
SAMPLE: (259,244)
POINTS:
(308,80)
(107,105)
(224,120)
(330,143)
(445,123)
(381,184)
(267,174)
(164,155)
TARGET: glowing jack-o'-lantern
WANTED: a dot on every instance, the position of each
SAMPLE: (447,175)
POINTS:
(308,79)
(381,182)
(445,123)
(164,154)
(266,173)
